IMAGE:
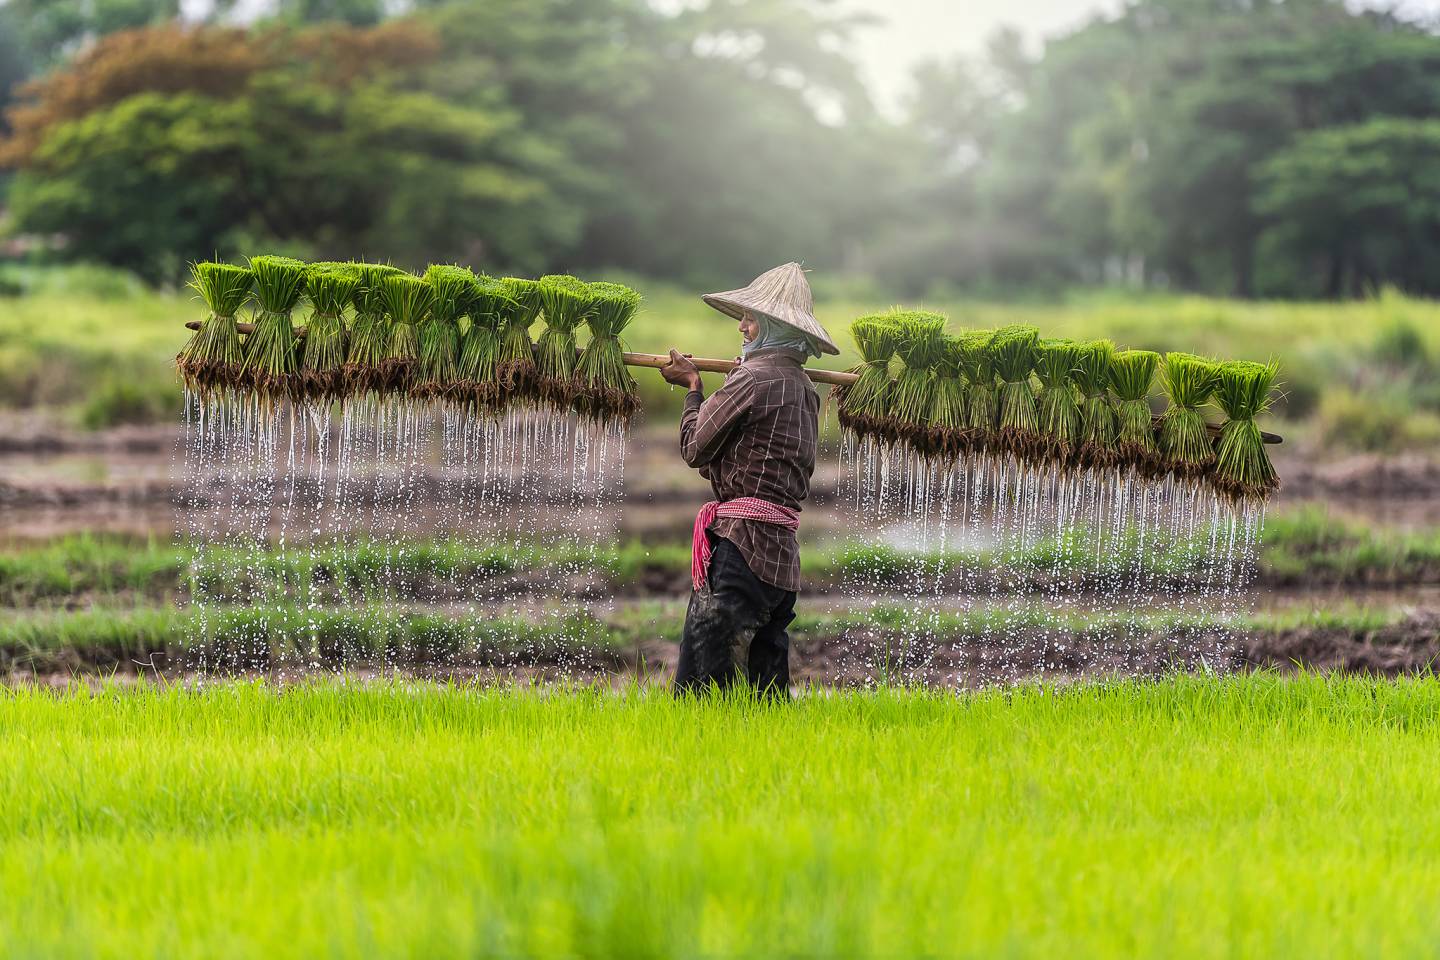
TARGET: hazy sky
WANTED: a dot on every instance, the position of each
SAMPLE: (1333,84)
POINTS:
(917,29)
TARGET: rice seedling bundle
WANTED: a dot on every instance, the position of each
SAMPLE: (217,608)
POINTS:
(1099,426)
(477,384)
(213,357)
(864,404)
(1131,374)
(408,300)
(948,428)
(270,352)
(515,360)
(607,391)
(1013,353)
(566,302)
(1184,435)
(919,345)
(438,372)
(1056,404)
(330,288)
(370,330)
(466,338)
(978,370)
(1244,390)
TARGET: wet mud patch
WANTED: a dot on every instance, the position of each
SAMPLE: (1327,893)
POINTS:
(858,657)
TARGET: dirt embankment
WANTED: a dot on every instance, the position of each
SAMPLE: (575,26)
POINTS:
(855,658)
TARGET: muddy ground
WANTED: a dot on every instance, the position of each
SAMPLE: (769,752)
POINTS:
(851,659)
(54,481)
(126,480)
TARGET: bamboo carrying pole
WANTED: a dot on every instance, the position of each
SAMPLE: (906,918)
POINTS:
(655,361)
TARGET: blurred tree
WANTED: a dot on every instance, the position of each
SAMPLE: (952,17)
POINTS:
(144,184)
(1358,206)
(170,59)
(148,162)
(362,13)
(1131,150)
(51,29)
(15,63)
(1256,147)
(710,144)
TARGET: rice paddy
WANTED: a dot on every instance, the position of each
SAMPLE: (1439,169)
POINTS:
(1194,817)
(1003,437)
(434,525)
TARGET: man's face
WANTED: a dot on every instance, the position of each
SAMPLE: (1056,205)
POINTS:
(749,327)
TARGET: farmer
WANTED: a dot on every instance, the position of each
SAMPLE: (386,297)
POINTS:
(754,440)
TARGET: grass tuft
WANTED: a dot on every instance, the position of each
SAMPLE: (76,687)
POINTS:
(919,344)
(370,331)
(330,287)
(438,370)
(1013,352)
(864,406)
(567,303)
(949,432)
(1184,436)
(213,357)
(1099,425)
(1132,373)
(607,391)
(270,350)
(979,372)
(478,387)
(1244,390)
(408,300)
(515,360)
(1057,407)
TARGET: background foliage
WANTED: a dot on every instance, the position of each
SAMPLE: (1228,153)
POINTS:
(1251,149)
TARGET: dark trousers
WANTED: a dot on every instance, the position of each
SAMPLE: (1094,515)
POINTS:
(735,628)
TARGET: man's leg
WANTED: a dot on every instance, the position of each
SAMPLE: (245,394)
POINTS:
(720,622)
(769,668)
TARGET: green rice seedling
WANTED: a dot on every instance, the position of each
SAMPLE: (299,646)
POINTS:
(438,372)
(370,331)
(948,433)
(515,361)
(567,303)
(408,300)
(978,370)
(863,406)
(1132,372)
(478,386)
(1098,424)
(344,266)
(1056,404)
(607,391)
(322,361)
(270,350)
(1184,436)
(919,346)
(1243,470)
(213,357)
(1013,352)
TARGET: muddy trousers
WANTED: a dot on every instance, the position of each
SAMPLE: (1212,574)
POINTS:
(735,629)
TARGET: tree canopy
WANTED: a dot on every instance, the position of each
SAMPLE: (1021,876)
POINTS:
(1256,148)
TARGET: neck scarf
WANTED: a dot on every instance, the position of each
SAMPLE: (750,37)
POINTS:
(775,334)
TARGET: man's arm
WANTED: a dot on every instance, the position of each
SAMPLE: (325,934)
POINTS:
(706,425)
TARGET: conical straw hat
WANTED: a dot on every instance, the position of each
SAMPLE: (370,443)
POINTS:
(782,295)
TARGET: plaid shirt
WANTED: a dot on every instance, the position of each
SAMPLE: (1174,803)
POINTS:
(755,437)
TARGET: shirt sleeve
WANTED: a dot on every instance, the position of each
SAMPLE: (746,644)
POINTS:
(707,423)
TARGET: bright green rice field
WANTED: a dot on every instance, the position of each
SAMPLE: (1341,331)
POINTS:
(1247,816)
